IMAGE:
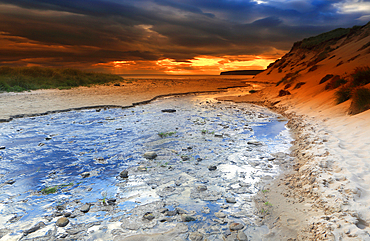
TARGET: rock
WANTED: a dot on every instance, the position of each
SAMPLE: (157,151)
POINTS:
(85,208)
(236,226)
(2,147)
(15,219)
(220,214)
(111,201)
(256,143)
(124,174)
(187,218)
(284,93)
(230,200)
(196,236)
(150,155)
(241,236)
(148,216)
(85,174)
(171,213)
(141,168)
(67,214)
(201,188)
(10,182)
(62,222)
(185,158)
(219,135)
(48,138)
(169,110)
(212,168)
(34,228)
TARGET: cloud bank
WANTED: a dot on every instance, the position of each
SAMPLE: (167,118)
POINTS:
(147,33)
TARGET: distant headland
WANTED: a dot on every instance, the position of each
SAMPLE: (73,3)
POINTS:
(242,72)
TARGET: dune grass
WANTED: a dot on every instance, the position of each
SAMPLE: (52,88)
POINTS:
(18,79)
(356,91)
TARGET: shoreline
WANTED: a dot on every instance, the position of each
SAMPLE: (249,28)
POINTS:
(43,102)
(320,197)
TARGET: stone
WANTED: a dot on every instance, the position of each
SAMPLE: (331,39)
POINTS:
(230,200)
(220,214)
(67,214)
(201,188)
(62,222)
(148,216)
(141,168)
(2,147)
(219,135)
(85,174)
(111,201)
(150,155)
(171,213)
(187,218)
(34,228)
(169,110)
(212,167)
(185,158)
(256,143)
(196,236)
(85,208)
(10,182)
(236,226)
(241,236)
(124,174)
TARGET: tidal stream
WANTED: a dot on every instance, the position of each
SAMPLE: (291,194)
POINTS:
(212,158)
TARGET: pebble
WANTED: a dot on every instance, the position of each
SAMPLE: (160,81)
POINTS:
(2,147)
(111,201)
(185,158)
(85,208)
(230,200)
(150,155)
(34,228)
(187,218)
(148,216)
(201,188)
(10,182)
(124,174)
(196,236)
(62,222)
(212,168)
(141,168)
(85,174)
(256,143)
(171,213)
(220,215)
(236,226)
(169,110)
(241,236)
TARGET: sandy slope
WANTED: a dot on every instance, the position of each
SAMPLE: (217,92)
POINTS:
(325,196)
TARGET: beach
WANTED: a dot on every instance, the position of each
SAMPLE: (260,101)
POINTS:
(320,196)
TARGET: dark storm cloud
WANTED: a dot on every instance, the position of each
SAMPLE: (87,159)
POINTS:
(97,31)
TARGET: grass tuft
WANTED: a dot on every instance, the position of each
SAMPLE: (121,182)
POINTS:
(343,94)
(361,99)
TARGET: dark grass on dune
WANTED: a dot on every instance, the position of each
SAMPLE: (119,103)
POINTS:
(18,79)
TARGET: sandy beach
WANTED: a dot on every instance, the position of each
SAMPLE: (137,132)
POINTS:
(323,194)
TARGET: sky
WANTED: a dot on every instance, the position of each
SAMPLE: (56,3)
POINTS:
(164,36)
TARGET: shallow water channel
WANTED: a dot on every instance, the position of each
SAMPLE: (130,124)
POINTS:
(52,165)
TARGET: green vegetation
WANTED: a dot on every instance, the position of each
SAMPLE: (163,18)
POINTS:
(17,79)
(265,191)
(330,37)
(207,132)
(166,134)
(54,189)
(268,204)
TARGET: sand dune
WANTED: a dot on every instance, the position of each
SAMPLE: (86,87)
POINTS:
(326,195)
